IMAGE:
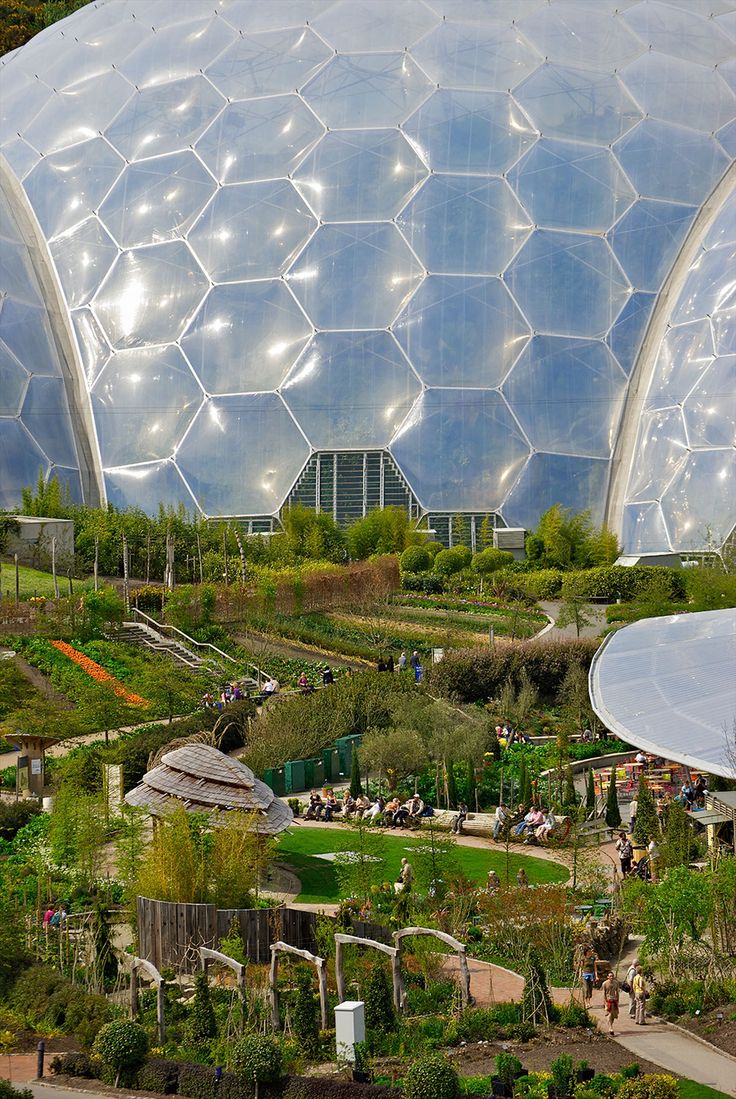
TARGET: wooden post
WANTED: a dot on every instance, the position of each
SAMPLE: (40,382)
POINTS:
(53,566)
(273,990)
(339,972)
(134,994)
(97,563)
(17,580)
(458,947)
(224,554)
(373,944)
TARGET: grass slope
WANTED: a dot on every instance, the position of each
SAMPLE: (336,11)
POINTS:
(690,1090)
(299,847)
(34,582)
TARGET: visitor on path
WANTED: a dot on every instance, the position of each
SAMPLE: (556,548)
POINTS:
(47,917)
(653,853)
(641,995)
(632,814)
(459,820)
(500,823)
(630,974)
(521,879)
(625,853)
(327,676)
(406,875)
(402,662)
(418,673)
(589,973)
(611,991)
(415,661)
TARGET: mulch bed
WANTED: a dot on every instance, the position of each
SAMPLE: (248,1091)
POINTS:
(722,1035)
(601,1053)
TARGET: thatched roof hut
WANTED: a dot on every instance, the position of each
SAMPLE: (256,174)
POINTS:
(203,780)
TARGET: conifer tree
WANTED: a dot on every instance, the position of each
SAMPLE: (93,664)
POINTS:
(590,792)
(451,787)
(613,813)
(523,783)
(571,797)
(646,825)
(678,837)
(356,786)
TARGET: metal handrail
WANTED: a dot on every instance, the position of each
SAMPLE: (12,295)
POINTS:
(160,627)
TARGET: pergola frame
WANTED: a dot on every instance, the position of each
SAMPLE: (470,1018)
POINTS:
(342,940)
(459,948)
(140,965)
(320,965)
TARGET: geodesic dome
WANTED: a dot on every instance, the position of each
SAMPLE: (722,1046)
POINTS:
(354,252)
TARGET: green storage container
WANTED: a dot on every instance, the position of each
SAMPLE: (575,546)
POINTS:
(274,777)
(314,774)
(345,746)
(294,776)
(331,761)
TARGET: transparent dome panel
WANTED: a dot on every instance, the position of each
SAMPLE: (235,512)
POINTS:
(354,24)
(146,486)
(150,295)
(644,530)
(467,131)
(566,185)
(269,63)
(16,273)
(678,33)
(252,231)
(661,453)
(359,175)
(91,343)
(699,507)
(458,225)
(671,162)
(242,455)
(259,139)
(80,112)
(567,283)
(46,415)
(461,55)
(244,15)
(157,199)
(460,449)
(20,462)
(364,90)
(680,91)
(245,337)
(164,119)
(626,336)
(647,239)
(70,482)
(13,381)
(20,156)
(26,333)
(370,385)
(568,395)
(355,276)
(21,100)
(144,401)
(571,30)
(711,419)
(68,186)
(579,104)
(711,288)
(547,479)
(460,331)
(684,355)
(179,50)
(727,138)
(82,258)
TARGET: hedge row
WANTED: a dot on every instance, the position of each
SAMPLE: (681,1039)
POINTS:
(475,675)
(166,1077)
(610,582)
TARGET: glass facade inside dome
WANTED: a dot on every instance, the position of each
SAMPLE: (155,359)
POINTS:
(468,257)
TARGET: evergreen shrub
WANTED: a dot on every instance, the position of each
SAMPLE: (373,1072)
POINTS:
(257,1059)
(431,1077)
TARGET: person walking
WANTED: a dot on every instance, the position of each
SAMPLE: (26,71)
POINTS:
(640,995)
(632,814)
(402,662)
(611,991)
(630,975)
(589,973)
(625,853)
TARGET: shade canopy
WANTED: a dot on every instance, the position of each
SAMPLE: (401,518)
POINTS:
(668,685)
(203,780)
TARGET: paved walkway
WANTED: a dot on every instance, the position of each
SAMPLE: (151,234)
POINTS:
(596,612)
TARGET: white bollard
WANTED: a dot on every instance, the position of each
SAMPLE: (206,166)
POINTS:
(349,1028)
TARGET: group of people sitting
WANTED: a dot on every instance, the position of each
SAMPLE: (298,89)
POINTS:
(535,824)
(506,735)
(54,917)
(231,692)
(390,814)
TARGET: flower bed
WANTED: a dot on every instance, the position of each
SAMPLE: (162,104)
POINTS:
(99,674)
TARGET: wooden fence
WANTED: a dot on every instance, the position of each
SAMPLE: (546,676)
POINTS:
(171,934)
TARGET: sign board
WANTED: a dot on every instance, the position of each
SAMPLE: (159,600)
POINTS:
(36,767)
(437,655)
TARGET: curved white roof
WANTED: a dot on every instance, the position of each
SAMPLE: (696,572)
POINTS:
(668,685)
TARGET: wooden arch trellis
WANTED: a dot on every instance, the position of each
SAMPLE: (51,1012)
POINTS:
(393,952)
(459,948)
(320,965)
(140,965)
(206,956)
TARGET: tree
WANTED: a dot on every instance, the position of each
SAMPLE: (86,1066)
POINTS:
(449,561)
(459,529)
(305,1018)
(415,559)
(434,860)
(100,708)
(646,825)
(678,837)
(201,1024)
(472,788)
(362,867)
(571,797)
(574,607)
(485,534)
(356,786)
(397,753)
(613,813)
(490,560)
(376,993)
(451,785)
(590,791)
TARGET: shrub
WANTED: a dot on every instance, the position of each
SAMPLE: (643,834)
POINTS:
(491,560)
(46,997)
(415,559)
(7,1091)
(121,1044)
(323,1087)
(305,1018)
(257,1058)
(378,999)
(477,1024)
(563,1075)
(649,1086)
(196,1081)
(14,815)
(508,1068)
(431,1077)
(158,1075)
(201,1024)
(449,561)
(574,1014)
(426,583)
(73,1064)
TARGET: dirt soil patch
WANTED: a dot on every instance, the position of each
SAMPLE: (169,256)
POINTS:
(722,1035)
(601,1053)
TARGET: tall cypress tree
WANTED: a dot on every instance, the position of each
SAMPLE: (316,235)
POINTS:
(571,797)
(523,783)
(451,788)
(646,826)
(590,792)
(356,786)
(678,837)
(471,785)
(613,813)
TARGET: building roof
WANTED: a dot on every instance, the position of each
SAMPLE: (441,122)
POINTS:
(667,685)
(204,780)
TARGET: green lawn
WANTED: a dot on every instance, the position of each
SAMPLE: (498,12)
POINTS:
(690,1090)
(298,848)
(35,582)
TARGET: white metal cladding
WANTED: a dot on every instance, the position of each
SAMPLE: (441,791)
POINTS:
(438,228)
(668,686)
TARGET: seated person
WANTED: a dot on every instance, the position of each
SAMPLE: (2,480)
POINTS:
(531,820)
(459,820)
(361,805)
(415,805)
(270,688)
(314,808)
(501,821)
(390,812)
(376,810)
(304,685)
(348,806)
(330,808)
(493,882)
(545,830)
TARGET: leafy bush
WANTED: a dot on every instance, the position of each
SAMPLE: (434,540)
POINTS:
(508,1068)
(431,1077)
(14,815)
(477,1024)
(415,559)
(574,1014)
(197,1081)
(201,1025)
(427,583)
(74,1064)
(7,1091)
(257,1058)
(449,561)
(378,999)
(490,560)
(159,1075)
(121,1044)
(649,1086)
(563,1075)
(46,997)
(324,1087)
